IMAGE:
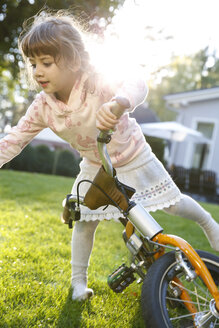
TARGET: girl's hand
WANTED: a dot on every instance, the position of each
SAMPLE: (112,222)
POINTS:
(105,119)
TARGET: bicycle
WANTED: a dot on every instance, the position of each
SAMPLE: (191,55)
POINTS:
(180,285)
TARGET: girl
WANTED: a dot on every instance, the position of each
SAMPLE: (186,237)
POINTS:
(75,104)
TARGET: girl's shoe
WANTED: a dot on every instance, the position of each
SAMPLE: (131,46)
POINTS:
(81,293)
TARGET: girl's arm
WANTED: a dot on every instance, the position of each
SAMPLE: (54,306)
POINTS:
(19,136)
(133,89)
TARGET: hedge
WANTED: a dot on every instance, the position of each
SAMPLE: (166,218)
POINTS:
(62,162)
(41,159)
(158,146)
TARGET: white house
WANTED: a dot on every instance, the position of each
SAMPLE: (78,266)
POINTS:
(198,110)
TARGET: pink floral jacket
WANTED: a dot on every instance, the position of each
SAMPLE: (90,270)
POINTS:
(75,122)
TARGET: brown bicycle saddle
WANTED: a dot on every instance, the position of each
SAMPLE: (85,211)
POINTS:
(116,190)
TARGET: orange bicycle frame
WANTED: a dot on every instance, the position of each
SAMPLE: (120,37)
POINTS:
(199,266)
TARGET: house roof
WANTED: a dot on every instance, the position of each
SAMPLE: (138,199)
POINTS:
(182,99)
(48,135)
(143,114)
(49,138)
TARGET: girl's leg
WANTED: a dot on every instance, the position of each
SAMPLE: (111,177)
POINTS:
(190,209)
(82,244)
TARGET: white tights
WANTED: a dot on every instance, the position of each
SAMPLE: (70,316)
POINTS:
(84,232)
(190,209)
(82,245)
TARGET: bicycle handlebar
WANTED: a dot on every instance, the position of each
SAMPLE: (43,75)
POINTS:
(118,109)
(120,105)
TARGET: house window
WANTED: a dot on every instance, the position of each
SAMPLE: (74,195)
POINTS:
(202,150)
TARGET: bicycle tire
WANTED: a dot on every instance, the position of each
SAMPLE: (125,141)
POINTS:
(160,309)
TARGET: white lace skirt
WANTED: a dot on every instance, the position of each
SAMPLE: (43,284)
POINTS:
(154,187)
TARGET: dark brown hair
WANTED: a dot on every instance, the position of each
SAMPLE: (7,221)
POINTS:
(56,34)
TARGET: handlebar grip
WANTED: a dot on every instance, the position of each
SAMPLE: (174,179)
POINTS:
(120,105)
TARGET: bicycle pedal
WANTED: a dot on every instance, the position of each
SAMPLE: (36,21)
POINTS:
(121,278)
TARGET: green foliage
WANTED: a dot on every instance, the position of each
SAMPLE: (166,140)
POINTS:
(35,259)
(183,74)
(25,161)
(44,159)
(21,10)
(10,111)
(67,164)
(157,146)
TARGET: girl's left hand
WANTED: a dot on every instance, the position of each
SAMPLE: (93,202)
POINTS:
(105,119)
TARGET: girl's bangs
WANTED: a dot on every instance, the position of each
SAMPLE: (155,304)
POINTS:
(37,43)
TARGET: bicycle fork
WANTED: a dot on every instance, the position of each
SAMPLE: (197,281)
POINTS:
(150,229)
(200,270)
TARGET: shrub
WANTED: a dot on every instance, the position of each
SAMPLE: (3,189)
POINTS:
(157,146)
(44,159)
(25,161)
(66,164)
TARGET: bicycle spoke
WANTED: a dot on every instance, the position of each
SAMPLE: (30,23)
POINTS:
(182,301)
(183,316)
(207,320)
(206,291)
(190,291)
(188,316)
(200,287)
(215,323)
(197,298)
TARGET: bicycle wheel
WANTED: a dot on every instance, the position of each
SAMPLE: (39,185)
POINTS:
(161,304)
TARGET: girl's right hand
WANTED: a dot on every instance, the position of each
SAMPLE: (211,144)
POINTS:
(105,119)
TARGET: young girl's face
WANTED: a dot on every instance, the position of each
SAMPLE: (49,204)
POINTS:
(53,77)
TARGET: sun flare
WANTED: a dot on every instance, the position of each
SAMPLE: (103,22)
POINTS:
(122,49)
(148,33)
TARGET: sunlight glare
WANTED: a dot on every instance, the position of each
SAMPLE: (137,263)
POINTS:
(120,53)
(148,33)
(113,58)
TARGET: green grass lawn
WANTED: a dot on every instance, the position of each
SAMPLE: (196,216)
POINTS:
(35,255)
